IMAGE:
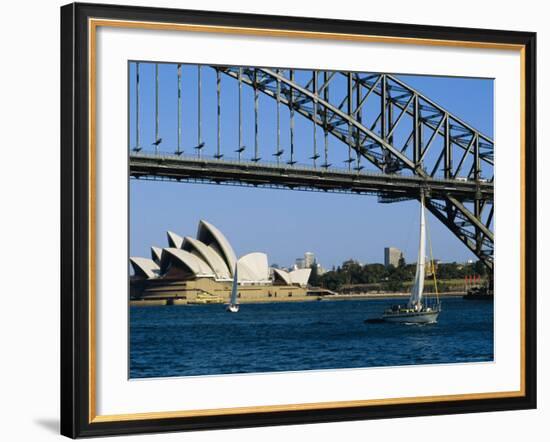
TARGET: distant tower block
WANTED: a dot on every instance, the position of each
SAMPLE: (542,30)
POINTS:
(392,255)
(309,259)
(300,263)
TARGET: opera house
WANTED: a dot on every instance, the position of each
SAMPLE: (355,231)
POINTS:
(201,270)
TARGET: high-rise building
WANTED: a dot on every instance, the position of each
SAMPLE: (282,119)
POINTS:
(392,255)
(309,259)
(300,263)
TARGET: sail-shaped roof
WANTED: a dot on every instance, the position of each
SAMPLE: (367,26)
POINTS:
(144,267)
(209,255)
(174,240)
(212,237)
(182,258)
(300,276)
(156,254)
(296,277)
(282,275)
(253,267)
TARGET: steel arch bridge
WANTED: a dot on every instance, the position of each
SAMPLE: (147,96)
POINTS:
(397,143)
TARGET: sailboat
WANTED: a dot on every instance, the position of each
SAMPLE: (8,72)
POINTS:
(233,306)
(417,310)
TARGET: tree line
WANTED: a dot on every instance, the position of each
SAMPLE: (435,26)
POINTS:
(390,278)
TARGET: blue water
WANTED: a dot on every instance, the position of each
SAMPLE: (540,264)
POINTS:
(202,340)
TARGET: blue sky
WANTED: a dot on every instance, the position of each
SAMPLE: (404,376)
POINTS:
(282,223)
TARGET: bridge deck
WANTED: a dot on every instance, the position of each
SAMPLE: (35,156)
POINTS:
(181,168)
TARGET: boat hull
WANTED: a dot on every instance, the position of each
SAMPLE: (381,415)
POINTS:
(233,308)
(413,317)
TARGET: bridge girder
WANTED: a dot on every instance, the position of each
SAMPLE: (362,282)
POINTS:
(183,168)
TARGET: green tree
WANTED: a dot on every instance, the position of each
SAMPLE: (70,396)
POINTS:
(480,268)
(401,264)
(331,280)
(314,279)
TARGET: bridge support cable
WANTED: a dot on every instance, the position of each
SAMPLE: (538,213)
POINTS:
(476,165)
(383,96)
(256,122)
(200,143)
(158,139)
(179,73)
(358,115)
(390,124)
(417,155)
(137,146)
(447,156)
(326,95)
(291,162)
(278,152)
(315,122)
(218,155)
(349,98)
(240,147)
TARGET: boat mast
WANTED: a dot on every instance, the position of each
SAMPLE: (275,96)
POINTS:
(415,300)
(234,290)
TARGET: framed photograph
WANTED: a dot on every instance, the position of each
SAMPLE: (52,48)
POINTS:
(275,220)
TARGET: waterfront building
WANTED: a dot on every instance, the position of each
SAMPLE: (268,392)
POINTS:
(392,255)
(201,270)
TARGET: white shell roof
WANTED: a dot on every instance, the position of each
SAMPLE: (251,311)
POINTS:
(156,254)
(195,264)
(145,267)
(174,240)
(253,267)
(285,276)
(212,237)
(300,276)
(209,255)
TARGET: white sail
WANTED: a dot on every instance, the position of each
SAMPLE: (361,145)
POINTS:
(234,290)
(418,286)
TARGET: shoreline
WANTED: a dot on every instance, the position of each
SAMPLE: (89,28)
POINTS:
(263,300)
(389,295)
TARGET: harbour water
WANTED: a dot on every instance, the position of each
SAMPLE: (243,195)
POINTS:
(205,340)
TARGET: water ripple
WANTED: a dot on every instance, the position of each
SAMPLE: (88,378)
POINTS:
(200,340)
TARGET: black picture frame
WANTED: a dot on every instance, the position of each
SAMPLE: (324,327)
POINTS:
(76,250)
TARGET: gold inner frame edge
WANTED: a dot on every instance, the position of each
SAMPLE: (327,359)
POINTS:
(93,24)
